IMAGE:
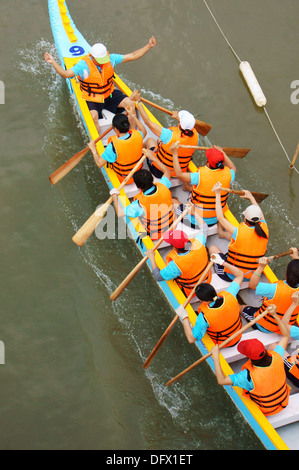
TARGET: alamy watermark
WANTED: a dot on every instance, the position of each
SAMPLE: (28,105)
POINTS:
(2,92)
(295,94)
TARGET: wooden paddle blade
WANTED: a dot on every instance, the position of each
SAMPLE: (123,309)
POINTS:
(90,225)
(67,166)
(259,197)
(202,127)
(236,152)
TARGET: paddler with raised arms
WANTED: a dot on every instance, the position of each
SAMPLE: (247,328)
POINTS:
(184,132)
(95,73)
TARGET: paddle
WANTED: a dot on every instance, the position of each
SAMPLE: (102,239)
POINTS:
(230,151)
(90,225)
(73,161)
(222,345)
(171,325)
(259,197)
(137,268)
(202,127)
(271,258)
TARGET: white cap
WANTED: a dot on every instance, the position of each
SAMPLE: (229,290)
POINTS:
(253,213)
(99,52)
(187,120)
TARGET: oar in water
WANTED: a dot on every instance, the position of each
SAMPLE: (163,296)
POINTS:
(259,197)
(222,345)
(137,268)
(73,161)
(230,151)
(202,127)
(90,225)
(175,319)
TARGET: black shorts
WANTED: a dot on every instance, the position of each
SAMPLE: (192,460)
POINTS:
(111,103)
(152,168)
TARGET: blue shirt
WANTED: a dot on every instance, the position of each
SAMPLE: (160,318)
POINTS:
(294,332)
(110,154)
(82,66)
(241,378)
(134,209)
(201,324)
(194,182)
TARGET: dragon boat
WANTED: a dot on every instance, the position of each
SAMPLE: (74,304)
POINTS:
(277,432)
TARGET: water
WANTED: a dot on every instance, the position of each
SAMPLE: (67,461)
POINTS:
(73,377)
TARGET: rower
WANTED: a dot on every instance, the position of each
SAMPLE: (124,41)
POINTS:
(186,261)
(219,167)
(153,204)
(262,378)
(248,241)
(184,132)
(124,149)
(218,314)
(95,73)
(291,363)
(277,293)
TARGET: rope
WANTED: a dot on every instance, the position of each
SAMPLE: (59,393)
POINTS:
(239,60)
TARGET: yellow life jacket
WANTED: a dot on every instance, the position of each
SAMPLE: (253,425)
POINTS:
(224,320)
(191,265)
(271,391)
(203,196)
(158,208)
(98,86)
(164,154)
(129,152)
(282,300)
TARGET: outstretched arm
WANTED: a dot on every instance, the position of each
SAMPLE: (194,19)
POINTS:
(153,126)
(60,70)
(140,52)
(219,211)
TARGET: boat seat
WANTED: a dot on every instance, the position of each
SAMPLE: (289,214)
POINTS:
(233,355)
(287,416)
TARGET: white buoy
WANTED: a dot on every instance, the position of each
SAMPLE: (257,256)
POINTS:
(253,84)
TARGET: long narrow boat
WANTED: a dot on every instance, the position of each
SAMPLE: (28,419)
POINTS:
(278,432)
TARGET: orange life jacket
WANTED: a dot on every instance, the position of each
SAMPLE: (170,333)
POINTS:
(191,265)
(98,85)
(282,300)
(165,156)
(158,208)
(129,152)
(224,320)
(271,391)
(248,247)
(294,370)
(203,196)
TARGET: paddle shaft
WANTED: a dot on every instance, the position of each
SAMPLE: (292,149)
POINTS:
(280,255)
(137,268)
(90,225)
(73,161)
(202,127)
(259,197)
(175,319)
(230,151)
(222,345)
